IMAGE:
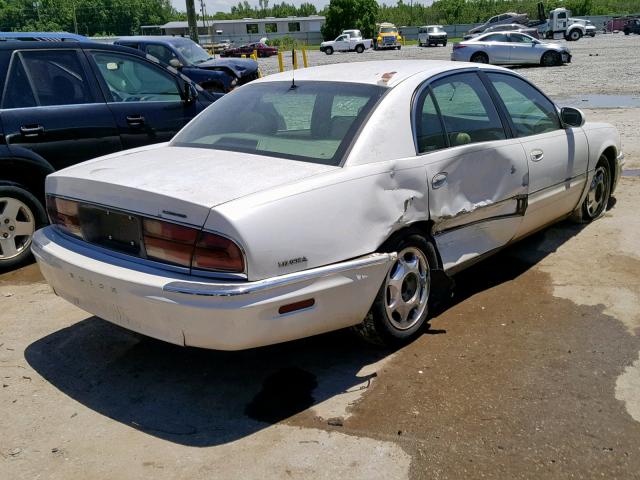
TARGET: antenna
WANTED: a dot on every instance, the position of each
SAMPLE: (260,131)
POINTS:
(293,75)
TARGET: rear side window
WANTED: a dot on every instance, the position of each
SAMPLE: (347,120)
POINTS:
(519,38)
(18,92)
(46,78)
(161,52)
(530,111)
(429,133)
(467,110)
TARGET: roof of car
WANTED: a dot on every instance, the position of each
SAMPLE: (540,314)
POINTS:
(62,45)
(385,73)
(153,38)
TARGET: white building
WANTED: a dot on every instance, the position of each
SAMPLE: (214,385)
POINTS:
(249,29)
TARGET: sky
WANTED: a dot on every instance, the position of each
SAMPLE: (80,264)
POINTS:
(225,5)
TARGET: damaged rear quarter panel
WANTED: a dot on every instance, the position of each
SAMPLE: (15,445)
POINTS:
(325,219)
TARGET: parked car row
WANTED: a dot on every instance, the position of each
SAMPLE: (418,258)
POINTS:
(64,103)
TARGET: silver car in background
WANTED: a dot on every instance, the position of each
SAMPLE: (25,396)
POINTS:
(511,27)
(510,48)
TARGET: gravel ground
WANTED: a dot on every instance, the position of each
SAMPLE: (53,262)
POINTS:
(600,65)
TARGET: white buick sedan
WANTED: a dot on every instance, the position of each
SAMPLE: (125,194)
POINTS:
(342,198)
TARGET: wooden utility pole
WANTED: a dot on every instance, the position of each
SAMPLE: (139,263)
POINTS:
(192,20)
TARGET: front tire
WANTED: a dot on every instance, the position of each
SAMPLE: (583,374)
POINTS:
(595,204)
(21,214)
(574,35)
(551,59)
(329,51)
(401,307)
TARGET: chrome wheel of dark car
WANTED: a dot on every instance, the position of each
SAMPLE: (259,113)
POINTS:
(21,214)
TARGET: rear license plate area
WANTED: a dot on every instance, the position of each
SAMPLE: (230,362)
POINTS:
(112,230)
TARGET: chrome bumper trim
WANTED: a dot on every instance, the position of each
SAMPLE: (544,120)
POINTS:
(245,288)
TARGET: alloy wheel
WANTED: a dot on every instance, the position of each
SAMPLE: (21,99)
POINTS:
(17,225)
(598,192)
(407,289)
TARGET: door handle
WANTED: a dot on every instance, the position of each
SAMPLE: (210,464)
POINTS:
(439,180)
(537,155)
(135,120)
(31,131)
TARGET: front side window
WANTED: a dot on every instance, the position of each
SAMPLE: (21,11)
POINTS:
(46,78)
(530,111)
(131,79)
(519,38)
(313,122)
(467,110)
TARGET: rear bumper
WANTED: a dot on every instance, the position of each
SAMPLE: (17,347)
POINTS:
(208,314)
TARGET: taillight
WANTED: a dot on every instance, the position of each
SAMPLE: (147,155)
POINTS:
(64,213)
(214,252)
(168,242)
(189,247)
(457,46)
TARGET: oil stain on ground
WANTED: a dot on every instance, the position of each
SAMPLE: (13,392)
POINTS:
(284,394)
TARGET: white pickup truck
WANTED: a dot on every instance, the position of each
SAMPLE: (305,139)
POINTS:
(345,43)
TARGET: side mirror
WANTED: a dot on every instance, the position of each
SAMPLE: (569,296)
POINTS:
(572,117)
(175,63)
(190,93)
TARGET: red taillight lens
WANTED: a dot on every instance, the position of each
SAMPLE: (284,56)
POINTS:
(64,213)
(457,46)
(214,252)
(168,242)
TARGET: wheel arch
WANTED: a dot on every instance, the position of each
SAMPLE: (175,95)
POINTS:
(29,173)
(610,152)
(420,227)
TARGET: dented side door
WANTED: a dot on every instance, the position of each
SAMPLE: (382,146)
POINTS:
(477,185)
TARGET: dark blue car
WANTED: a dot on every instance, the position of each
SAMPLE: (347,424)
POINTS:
(66,102)
(213,74)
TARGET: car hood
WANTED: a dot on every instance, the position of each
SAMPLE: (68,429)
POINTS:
(240,66)
(186,182)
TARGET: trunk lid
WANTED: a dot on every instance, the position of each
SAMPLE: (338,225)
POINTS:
(177,183)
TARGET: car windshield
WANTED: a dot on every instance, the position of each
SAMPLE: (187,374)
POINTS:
(388,30)
(191,51)
(435,30)
(311,121)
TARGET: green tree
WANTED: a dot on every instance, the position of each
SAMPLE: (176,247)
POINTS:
(345,14)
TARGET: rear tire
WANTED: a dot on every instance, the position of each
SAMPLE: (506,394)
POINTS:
(359,48)
(401,307)
(480,57)
(551,59)
(21,214)
(399,47)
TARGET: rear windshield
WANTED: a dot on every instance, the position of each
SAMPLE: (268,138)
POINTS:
(313,122)
(435,30)
(388,30)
